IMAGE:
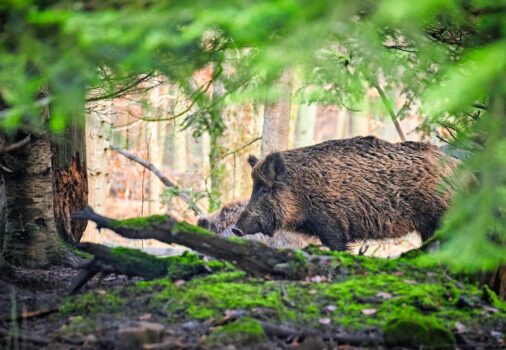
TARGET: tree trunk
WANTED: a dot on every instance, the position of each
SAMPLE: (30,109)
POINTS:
(276,127)
(31,237)
(45,183)
(304,129)
(98,132)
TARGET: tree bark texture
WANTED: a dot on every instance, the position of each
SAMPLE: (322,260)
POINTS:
(31,237)
(70,181)
(276,128)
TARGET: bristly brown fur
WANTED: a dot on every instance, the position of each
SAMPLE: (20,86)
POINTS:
(347,190)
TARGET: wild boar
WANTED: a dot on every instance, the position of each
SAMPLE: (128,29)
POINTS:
(223,220)
(342,191)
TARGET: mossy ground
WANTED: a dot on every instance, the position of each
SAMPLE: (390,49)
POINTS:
(364,293)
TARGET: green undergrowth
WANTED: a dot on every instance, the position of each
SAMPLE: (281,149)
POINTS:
(245,331)
(363,292)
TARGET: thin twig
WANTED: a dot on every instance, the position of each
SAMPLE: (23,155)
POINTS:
(389,108)
(241,148)
(122,91)
(16,145)
(164,179)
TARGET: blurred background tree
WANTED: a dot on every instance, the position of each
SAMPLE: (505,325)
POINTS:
(444,59)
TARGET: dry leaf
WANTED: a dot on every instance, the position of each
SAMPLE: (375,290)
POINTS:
(459,327)
(325,320)
(369,312)
(384,295)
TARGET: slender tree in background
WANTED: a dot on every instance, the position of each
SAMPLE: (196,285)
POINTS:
(276,128)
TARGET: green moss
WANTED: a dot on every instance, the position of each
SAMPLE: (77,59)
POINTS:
(298,264)
(91,303)
(134,259)
(79,325)
(186,227)
(185,266)
(389,289)
(245,331)
(79,253)
(418,332)
(236,240)
(489,296)
(139,223)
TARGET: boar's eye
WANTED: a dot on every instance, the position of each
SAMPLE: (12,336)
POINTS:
(263,190)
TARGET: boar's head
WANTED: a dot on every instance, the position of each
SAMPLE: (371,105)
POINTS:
(272,205)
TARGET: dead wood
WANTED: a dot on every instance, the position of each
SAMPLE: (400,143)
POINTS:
(253,257)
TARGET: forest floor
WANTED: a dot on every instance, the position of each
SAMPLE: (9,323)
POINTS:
(366,303)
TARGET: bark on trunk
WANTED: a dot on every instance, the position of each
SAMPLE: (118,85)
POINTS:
(276,127)
(70,181)
(31,237)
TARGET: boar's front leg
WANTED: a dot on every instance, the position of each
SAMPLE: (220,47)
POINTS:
(332,241)
(328,235)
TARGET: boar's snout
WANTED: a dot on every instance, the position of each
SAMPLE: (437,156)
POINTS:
(250,225)
(237,231)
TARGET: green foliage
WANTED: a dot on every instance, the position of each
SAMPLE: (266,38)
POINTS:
(194,197)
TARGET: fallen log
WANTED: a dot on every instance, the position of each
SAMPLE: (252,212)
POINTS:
(252,257)
(132,262)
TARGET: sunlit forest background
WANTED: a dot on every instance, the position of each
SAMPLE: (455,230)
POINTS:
(149,123)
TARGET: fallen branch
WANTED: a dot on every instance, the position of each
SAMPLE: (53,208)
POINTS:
(253,257)
(30,314)
(132,262)
(164,179)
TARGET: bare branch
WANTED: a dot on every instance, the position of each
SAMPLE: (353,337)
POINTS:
(389,108)
(122,91)
(241,148)
(16,145)
(164,179)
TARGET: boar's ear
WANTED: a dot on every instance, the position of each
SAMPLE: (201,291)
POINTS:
(252,160)
(275,167)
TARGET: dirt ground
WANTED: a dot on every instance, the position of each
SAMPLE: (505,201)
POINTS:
(32,317)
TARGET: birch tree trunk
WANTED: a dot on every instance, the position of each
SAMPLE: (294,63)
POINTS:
(305,126)
(98,133)
(45,184)
(276,128)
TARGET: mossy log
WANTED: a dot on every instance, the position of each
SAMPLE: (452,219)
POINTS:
(132,262)
(252,257)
